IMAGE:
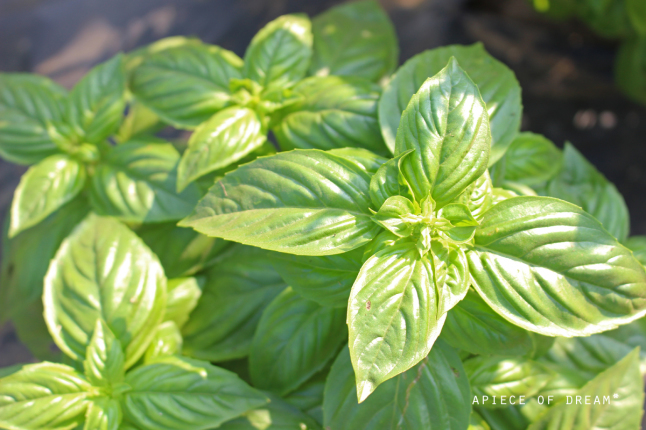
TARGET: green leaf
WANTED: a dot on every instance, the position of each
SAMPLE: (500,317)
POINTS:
(103,270)
(333,112)
(29,105)
(579,182)
(167,341)
(549,267)
(103,413)
(395,313)
(463,224)
(277,415)
(44,396)
(182,251)
(187,84)
(138,121)
(295,339)
(509,418)
(391,215)
(326,280)
(318,204)
(310,394)
(25,258)
(180,393)
(474,327)
(32,331)
(478,196)
(388,181)
(280,53)
(623,412)
(531,159)
(43,189)
(104,357)
(497,84)
(236,291)
(355,39)
(630,68)
(432,395)
(637,13)
(227,137)
(637,244)
(183,295)
(505,377)
(96,104)
(136,183)
(366,160)
(446,123)
(476,422)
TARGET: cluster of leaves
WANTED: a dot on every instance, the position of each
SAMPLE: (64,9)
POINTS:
(398,257)
(613,19)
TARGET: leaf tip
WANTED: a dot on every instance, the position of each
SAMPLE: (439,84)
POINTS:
(364,389)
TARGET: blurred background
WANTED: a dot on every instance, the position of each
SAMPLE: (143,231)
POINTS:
(564,69)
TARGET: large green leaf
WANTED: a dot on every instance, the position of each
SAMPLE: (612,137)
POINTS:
(505,378)
(637,244)
(103,413)
(280,53)
(25,258)
(497,84)
(326,280)
(186,85)
(304,202)
(96,104)
(549,267)
(295,339)
(446,123)
(277,415)
(597,407)
(236,291)
(29,104)
(396,310)
(32,331)
(531,159)
(182,251)
(225,138)
(333,112)
(136,183)
(478,196)
(581,183)
(432,395)
(167,341)
(183,295)
(354,39)
(104,357)
(180,393)
(103,270)
(43,396)
(43,189)
(474,327)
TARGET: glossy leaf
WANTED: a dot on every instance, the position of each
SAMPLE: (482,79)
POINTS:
(225,138)
(392,213)
(103,270)
(637,244)
(367,161)
(277,415)
(393,315)
(388,181)
(43,396)
(446,123)
(524,267)
(187,84)
(318,205)
(29,105)
(43,189)
(326,280)
(580,183)
(463,224)
(354,39)
(103,413)
(236,291)
(505,376)
(295,339)
(104,357)
(167,341)
(478,196)
(496,82)
(333,112)
(136,183)
(181,393)
(622,412)
(531,159)
(182,251)
(474,327)
(183,296)
(432,395)
(96,103)
(280,53)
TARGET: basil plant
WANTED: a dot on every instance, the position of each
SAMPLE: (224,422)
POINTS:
(328,243)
